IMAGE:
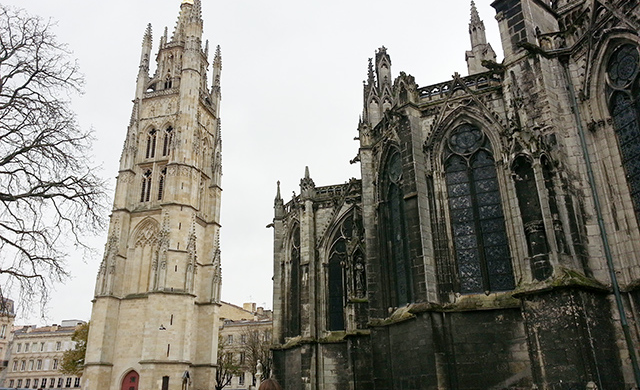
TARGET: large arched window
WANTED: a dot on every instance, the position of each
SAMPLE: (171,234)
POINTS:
(394,231)
(623,92)
(477,221)
(346,270)
(293,312)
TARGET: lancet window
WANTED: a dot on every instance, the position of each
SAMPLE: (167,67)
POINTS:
(394,240)
(623,93)
(345,270)
(151,144)
(161,183)
(166,144)
(293,312)
(477,222)
(145,193)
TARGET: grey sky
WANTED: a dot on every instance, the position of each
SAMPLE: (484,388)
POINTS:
(292,94)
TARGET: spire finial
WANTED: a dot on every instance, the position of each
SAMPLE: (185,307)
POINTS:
(278,196)
(306,173)
(370,74)
(475,17)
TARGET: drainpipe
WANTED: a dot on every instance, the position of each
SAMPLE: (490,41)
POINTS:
(603,232)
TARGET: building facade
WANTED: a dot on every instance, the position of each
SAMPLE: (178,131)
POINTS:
(158,288)
(7,318)
(493,239)
(35,357)
(248,341)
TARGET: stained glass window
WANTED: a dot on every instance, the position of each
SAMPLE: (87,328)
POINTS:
(624,104)
(294,299)
(346,273)
(477,222)
(398,272)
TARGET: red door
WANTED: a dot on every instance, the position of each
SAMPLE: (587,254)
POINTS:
(130,381)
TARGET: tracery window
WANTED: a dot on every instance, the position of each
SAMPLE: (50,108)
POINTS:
(395,233)
(161,183)
(151,144)
(145,194)
(475,208)
(293,313)
(168,137)
(345,272)
(623,92)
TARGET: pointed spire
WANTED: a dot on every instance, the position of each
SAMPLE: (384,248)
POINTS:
(147,43)
(475,17)
(480,49)
(307,186)
(278,205)
(196,11)
(147,35)
(217,60)
(217,70)
(370,74)
(278,196)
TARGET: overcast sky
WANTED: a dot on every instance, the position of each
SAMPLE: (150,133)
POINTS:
(291,97)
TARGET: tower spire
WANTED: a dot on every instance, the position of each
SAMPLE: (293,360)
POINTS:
(278,204)
(475,17)
(145,54)
(171,134)
(481,50)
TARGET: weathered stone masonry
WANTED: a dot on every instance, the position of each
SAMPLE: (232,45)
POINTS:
(480,216)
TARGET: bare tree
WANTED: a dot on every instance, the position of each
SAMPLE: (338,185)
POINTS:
(50,196)
(227,365)
(257,346)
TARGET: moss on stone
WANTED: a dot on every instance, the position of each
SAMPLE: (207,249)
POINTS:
(564,278)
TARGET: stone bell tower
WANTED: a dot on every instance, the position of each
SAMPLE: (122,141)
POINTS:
(153,324)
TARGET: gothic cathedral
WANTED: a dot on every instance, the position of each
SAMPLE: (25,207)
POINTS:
(153,324)
(493,239)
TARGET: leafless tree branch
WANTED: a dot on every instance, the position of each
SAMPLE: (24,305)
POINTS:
(50,196)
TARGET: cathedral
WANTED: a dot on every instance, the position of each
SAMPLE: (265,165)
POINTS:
(157,296)
(492,241)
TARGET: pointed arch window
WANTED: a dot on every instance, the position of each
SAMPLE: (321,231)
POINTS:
(161,183)
(168,138)
(293,312)
(145,194)
(151,144)
(345,270)
(168,82)
(477,221)
(623,93)
(395,246)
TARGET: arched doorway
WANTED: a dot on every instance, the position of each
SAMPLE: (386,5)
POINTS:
(130,381)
